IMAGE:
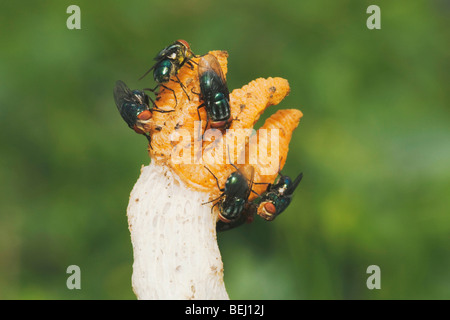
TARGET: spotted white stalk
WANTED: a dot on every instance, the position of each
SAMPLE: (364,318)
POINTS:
(175,249)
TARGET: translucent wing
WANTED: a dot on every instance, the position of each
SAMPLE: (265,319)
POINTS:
(122,94)
(165,53)
(252,175)
(209,65)
(148,71)
(129,104)
(294,184)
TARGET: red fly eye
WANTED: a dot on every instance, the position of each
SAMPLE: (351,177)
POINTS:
(145,115)
(137,130)
(184,43)
(270,208)
(222,218)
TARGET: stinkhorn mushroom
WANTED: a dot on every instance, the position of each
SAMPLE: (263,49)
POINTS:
(173,231)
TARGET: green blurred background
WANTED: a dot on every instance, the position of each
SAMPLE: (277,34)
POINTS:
(374,144)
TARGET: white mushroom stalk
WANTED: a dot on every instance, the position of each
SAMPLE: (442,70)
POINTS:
(175,249)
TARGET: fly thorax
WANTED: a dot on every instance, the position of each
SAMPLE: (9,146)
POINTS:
(231,181)
(205,82)
(172,56)
(282,189)
(139,96)
(287,182)
(181,58)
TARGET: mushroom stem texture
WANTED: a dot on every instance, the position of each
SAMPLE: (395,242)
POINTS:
(175,249)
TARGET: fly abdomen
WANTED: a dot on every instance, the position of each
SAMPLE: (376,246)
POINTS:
(233,209)
(221,110)
(163,71)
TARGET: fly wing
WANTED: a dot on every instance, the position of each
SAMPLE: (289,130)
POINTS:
(209,63)
(250,184)
(167,52)
(147,72)
(248,173)
(122,94)
(170,52)
(294,184)
(163,54)
(126,104)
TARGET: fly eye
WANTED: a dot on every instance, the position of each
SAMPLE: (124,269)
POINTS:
(184,43)
(145,115)
(270,208)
